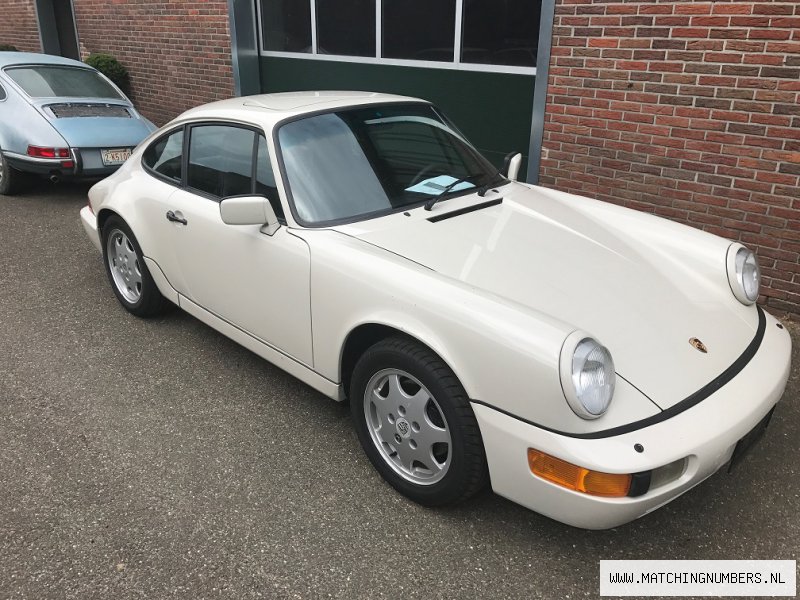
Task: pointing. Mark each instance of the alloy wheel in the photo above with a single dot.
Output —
(124, 265)
(407, 426)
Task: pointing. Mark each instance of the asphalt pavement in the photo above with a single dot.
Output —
(157, 459)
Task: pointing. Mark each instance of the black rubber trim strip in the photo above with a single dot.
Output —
(640, 484)
(638, 390)
(685, 404)
(463, 211)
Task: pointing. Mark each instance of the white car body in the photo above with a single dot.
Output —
(495, 292)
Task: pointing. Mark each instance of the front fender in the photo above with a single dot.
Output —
(504, 354)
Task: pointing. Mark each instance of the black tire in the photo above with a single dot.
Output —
(467, 473)
(11, 180)
(150, 302)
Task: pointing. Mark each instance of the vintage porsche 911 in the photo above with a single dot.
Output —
(588, 361)
(62, 119)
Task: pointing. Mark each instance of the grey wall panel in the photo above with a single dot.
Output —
(244, 47)
(540, 89)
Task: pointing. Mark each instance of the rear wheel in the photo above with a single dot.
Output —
(10, 179)
(130, 279)
(415, 423)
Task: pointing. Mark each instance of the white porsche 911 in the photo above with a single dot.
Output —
(589, 361)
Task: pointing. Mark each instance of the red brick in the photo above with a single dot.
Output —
(655, 9)
(744, 46)
(733, 8)
(770, 34)
(723, 57)
(712, 45)
(764, 59)
(780, 156)
(790, 23)
(690, 32)
(603, 43)
(710, 21)
(750, 22)
(694, 8)
(773, 8)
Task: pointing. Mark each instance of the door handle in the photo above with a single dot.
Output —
(171, 216)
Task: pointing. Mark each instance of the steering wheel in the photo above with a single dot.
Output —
(424, 171)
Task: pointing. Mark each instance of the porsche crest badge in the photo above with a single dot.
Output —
(698, 345)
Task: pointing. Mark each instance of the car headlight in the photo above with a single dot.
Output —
(744, 274)
(587, 375)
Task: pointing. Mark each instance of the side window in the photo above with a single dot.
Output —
(164, 156)
(2, 93)
(221, 160)
(265, 179)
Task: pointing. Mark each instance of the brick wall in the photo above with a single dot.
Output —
(690, 110)
(178, 52)
(18, 25)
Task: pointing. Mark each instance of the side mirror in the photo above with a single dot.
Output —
(511, 164)
(249, 210)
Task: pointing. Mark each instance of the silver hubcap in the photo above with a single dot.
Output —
(124, 265)
(407, 427)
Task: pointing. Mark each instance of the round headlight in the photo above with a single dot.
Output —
(587, 375)
(744, 274)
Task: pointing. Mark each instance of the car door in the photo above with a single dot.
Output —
(257, 282)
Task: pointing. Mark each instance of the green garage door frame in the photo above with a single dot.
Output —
(498, 112)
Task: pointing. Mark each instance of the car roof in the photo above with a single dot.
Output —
(8, 59)
(267, 109)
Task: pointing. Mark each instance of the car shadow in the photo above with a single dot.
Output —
(44, 189)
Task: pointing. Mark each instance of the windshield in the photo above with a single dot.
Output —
(351, 164)
(46, 81)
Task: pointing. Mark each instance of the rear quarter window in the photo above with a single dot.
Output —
(165, 156)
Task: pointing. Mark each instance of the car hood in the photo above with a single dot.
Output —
(640, 285)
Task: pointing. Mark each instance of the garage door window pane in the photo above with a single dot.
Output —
(221, 160)
(419, 29)
(286, 25)
(346, 27)
(164, 156)
(501, 32)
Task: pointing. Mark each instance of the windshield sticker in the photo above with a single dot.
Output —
(435, 185)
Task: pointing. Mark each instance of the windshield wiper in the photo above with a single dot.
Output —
(493, 180)
(429, 204)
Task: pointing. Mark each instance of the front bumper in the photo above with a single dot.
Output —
(704, 435)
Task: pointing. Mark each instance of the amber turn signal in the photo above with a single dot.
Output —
(573, 477)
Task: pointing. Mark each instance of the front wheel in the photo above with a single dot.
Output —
(415, 423)
(130, 279)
